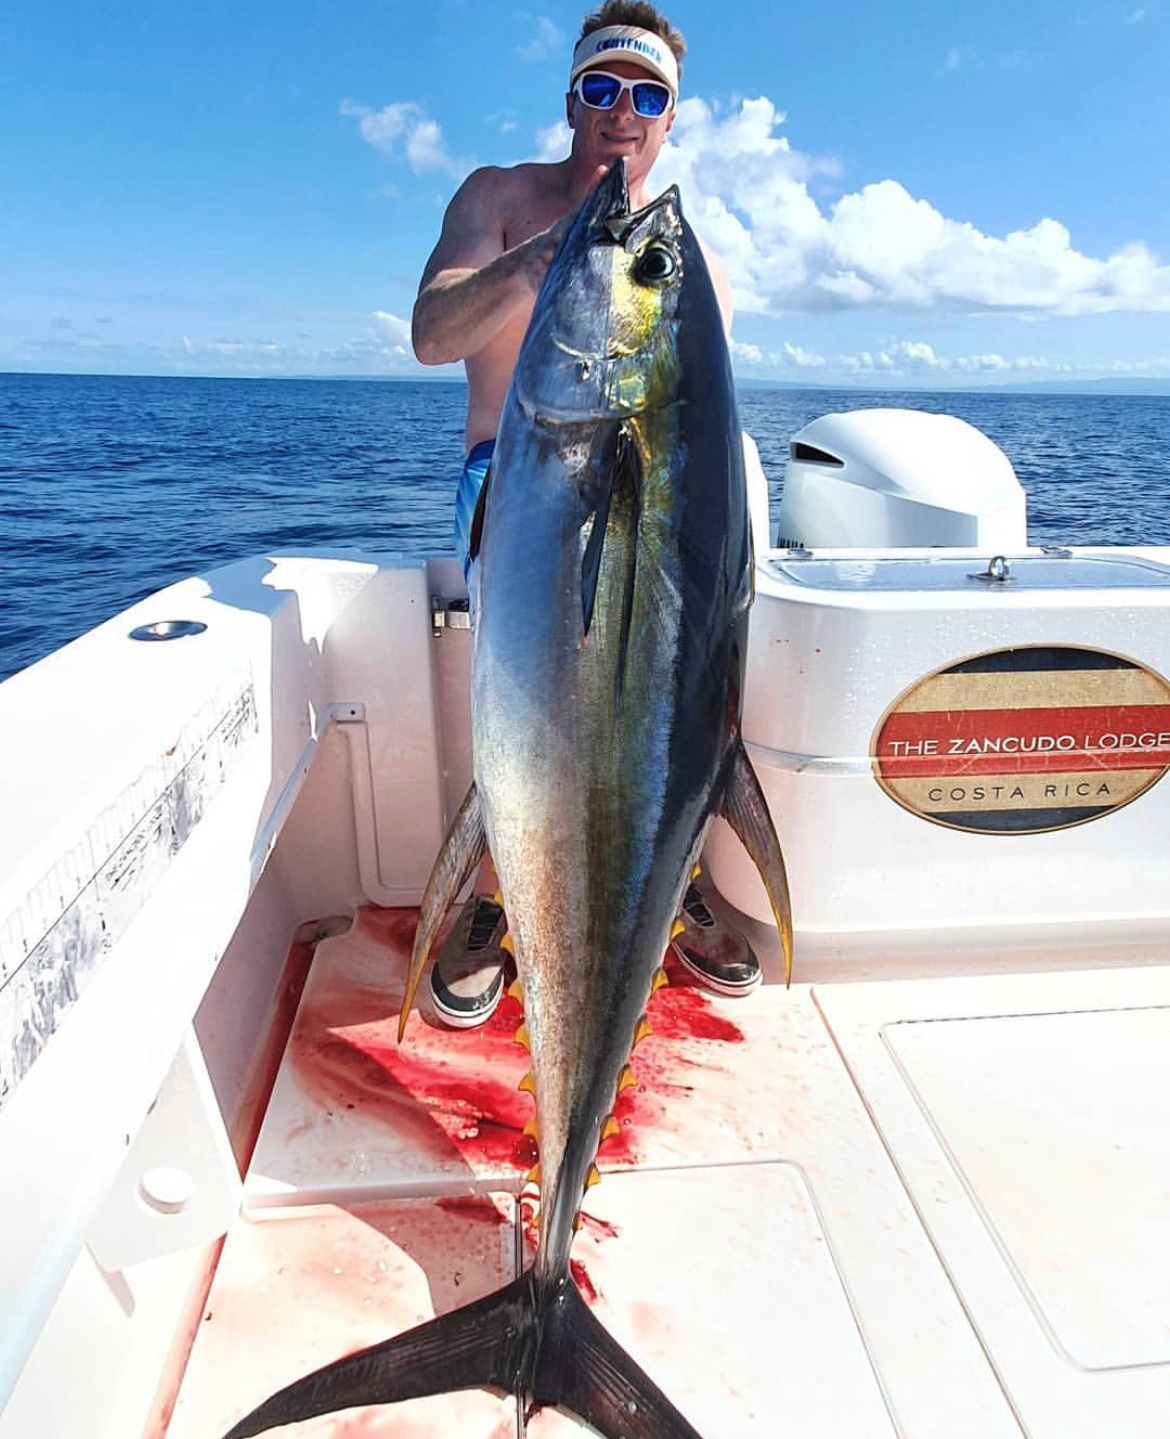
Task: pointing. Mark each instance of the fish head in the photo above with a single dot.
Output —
(602, 340)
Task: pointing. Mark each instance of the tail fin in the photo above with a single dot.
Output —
(481, 1346)
(582, 1368)
(526, 1339)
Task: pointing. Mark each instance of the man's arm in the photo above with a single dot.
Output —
(472, 285)
(722, 286)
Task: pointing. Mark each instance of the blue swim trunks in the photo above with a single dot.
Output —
(475, 470)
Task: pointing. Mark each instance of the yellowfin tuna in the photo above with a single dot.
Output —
(614, 573)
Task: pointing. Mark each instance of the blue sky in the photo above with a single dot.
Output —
(926, 194)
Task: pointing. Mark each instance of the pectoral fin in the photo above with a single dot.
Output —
(475, 538)
(591, 557)
(746, 810)
(618, 492)
(462, 850)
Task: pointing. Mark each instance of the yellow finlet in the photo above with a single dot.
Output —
(609, 1128)
(593, 1177)
(521, 1038)
(627, 1079)
(782, 914)
(528, 1084)
(419, 954)
(507, 945)
(533, 1176)
(531, 1130)
(677, 928)
(644, 1028)
(697, 871)
(660, 979)
(498, 898)
(578, 1222)
(515, 991)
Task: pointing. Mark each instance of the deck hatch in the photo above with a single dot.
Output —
(1056, 1125)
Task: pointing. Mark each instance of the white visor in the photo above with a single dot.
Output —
(627, 42)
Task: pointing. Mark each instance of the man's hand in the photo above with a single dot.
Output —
(540, 249)
(538, 252)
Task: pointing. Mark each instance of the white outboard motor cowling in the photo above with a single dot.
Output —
(899, 479)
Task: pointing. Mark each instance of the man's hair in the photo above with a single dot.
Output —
(640, 13)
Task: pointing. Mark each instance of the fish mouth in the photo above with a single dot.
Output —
(608, 208)
(611, 199)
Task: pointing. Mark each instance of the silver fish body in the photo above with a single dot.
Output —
(602, 730)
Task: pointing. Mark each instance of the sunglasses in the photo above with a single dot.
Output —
(601, 91)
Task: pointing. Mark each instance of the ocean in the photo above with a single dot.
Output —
(113, 486)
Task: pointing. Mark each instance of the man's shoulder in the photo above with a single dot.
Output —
(528, 180)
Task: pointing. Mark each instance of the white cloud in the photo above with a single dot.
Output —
(553, 142)
(789, 357)
(545, 42)
(749, 194)
(383, 349)
(902, 357)
(918, 352)
(394, 332)
(749, 354)
(406, 125)
(801, 358)
(230, 349)
(917, 362)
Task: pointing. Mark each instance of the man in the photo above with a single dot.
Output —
(500, 233)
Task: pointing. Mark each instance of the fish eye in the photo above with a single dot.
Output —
(655, 265)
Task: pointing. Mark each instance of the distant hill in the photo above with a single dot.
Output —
(1128, 386)
(1089, 387)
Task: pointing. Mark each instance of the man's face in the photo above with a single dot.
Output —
(600, 136)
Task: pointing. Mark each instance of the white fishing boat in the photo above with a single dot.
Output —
(921, 1192)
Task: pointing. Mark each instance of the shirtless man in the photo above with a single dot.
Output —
(500, 233)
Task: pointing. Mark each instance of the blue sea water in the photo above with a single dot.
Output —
(113, 486)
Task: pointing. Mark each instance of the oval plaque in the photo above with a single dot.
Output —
(1024, 740)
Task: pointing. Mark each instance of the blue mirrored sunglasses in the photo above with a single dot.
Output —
(601, 91)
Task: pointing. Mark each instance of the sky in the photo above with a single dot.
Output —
(924, 194)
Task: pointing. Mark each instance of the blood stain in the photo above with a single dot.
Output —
(600, 1228)
(458, 1090)
(583, 1282)
(395, 927)
(681, 1011)
(477, 1210)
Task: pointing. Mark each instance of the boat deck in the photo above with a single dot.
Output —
(931, 1207)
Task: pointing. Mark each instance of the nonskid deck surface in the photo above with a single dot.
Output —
(752, 1243)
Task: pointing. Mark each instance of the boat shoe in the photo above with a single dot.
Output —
(467, 978)
(718, 956)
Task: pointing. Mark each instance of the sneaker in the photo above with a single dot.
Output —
(467, 978)
(717, 955)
